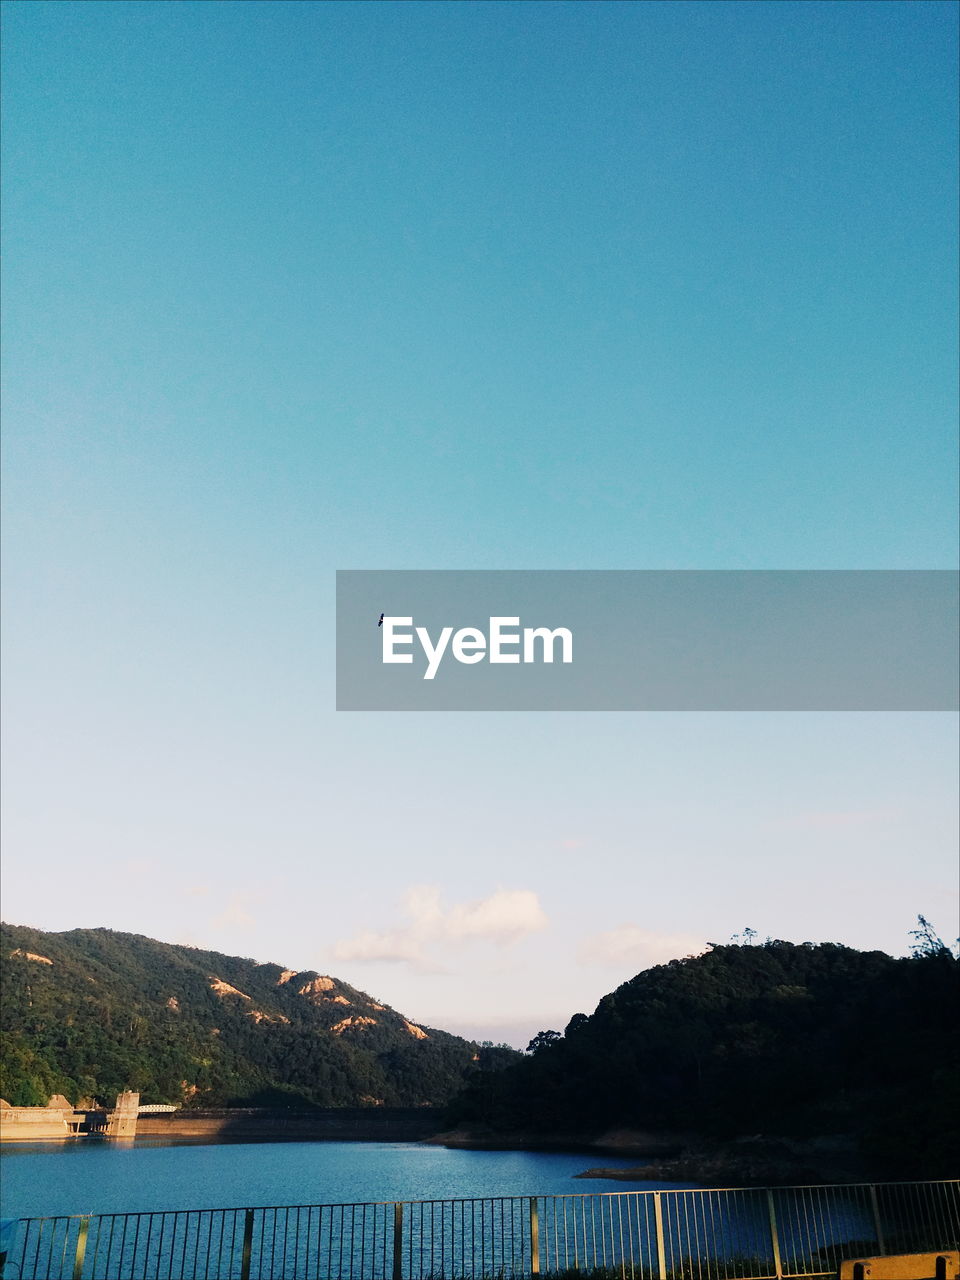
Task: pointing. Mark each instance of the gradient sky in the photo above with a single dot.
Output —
(298, 287)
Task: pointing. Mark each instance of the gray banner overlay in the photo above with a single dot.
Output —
(648, 640)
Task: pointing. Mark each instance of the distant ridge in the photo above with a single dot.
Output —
(90, 1012)
(804, 1044)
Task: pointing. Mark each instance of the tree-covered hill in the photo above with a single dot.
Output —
(773, 1039)
(90, 1012)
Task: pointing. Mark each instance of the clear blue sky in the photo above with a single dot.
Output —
(298, 287)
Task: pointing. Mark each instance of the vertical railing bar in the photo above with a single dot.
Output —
(503, 1256)
(748, 1220)
(123, 1241)
(346, 1241)
(511, 1219)
(473, 1237)
(416, 1273)
(363, 1243)
(579, 1245)
(933, 1219)
(246, 1246)
(917, 1224)
(633, 1224)
(714, 1254)
(606, 1213)
(661, 1251)
(149, 1245)
(734, 1213)
(329, 1239)
(509, 1223)
(931, 1210)
(172, 1247)
(620, 1226)
(795, 1245)
(163, 1227)
(187, 1220)
(827, 1247)
(36, 1254)
(808, 1227)
(223, 1244)
(356, 1216)
(815, 1228)
(566, 1237)
(201, 1217)
(63, 1247)
(81, 1248)
(556, 1237)
(172, 1244)
(65, 1242)
(99, 1230)
(398, 1241)
(875, 1204)
(774, 1235)
(746, 1232)
(193, 1223)
(136, 1240)
(830, 1228)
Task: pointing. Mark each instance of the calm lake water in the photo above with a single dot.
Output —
(99, 1177)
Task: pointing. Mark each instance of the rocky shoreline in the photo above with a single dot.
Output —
(678, 1157)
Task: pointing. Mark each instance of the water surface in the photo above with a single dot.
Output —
(41, 1179)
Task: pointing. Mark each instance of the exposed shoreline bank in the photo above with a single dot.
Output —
(333, 1124)
(659, 1156)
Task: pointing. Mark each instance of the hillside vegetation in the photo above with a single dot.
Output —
(90, 1012)
(772, 1039)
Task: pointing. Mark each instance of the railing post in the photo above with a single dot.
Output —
(247, 1245)
(81, 1248)
(534, 1237)
(398, 1241)
(881, 1247)
(661, 1250)
(774, 1234)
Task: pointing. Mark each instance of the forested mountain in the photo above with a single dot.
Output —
(90, 1012)
(774, 1038)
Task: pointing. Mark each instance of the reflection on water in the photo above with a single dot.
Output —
(83, 1177)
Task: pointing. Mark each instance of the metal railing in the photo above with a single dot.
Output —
(781, 1233)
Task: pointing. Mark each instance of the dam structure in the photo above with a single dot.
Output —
(60, 1120)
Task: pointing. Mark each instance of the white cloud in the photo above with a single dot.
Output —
(397, 947)
(502, 918)
(234, 915)
(630, 947)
